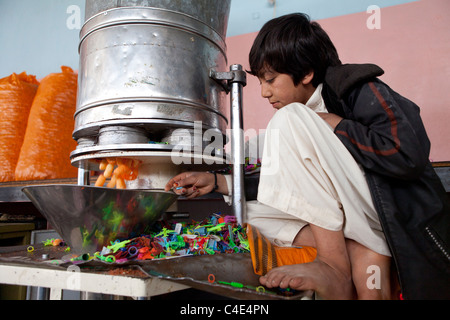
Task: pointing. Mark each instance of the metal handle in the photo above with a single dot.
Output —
(237, 142)
(233, 82)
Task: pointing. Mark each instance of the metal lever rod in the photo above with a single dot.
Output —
(237, 142)
(235, 80)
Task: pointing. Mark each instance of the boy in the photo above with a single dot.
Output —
(345, 169)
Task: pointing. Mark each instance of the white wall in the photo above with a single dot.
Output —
(36, 35)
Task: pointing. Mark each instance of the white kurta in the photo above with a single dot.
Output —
(309, 177)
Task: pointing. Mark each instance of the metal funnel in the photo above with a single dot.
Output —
(88, 217)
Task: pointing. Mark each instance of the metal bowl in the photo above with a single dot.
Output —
(88, 217)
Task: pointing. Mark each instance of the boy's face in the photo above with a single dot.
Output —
(280, 90)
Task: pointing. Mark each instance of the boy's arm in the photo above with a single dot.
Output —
(380, 136)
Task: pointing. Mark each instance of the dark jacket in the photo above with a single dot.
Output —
(385, 134)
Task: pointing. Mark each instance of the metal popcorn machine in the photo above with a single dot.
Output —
(152, 87)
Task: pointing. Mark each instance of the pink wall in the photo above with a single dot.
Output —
(412, 46)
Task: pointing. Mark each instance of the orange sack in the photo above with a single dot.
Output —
(266, 256)
(46, 148)
(16, 96)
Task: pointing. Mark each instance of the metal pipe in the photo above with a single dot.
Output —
(83, 177)
(237, 142)
(43, 293)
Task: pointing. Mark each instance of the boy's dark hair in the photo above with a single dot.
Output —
(293, 45)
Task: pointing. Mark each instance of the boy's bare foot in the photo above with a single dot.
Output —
(327, 282)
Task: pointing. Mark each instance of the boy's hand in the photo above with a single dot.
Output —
(191, 184)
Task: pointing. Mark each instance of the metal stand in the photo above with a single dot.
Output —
(235, 80)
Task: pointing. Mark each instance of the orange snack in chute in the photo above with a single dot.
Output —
(120, 183)
(100, 181)
(16, 96)
(111, 183)
(46, 148)
(109, 170)
(127, 169)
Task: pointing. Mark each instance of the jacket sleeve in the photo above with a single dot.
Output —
(382, 135)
